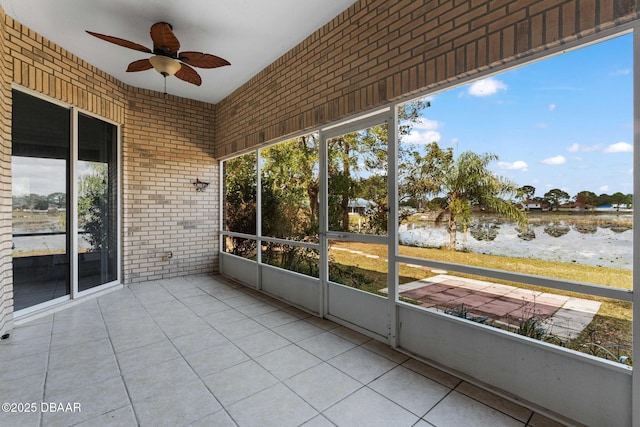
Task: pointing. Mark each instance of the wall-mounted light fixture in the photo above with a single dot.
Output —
(200, 185)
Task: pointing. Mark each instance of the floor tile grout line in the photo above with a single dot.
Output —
(46, 372)
(489, 406)
(183, 359)
(135, 414)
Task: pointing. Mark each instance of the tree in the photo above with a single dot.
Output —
(528, 191)
(556, 197)
(240, 181)
(57, 199)
(421, 174)
(92, 205)
(586, 198)
(619, 199)
(466, 181)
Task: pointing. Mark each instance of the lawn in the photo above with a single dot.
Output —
(610, 328)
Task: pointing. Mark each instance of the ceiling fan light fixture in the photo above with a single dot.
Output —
(165, 65)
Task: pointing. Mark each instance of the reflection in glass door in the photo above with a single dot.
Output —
(65, 233)
(40, 169)
(97, 184)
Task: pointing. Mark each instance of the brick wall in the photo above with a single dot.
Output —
(167, 142)
(168, 145)
(378, 51)
(6, 274)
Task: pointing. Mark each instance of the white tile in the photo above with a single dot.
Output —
(16, 390)
(15, 348)
(410, 390)
(149, 355)
(457, 410)
(276, 318)
(240, 381)
(217, 419)
(212, 306)
(276, 406)
(79, 335)
(432, 373)
(298, 330)
(261, 343)
(362, 364)
(94, 400)
(326, 345)
(21, 419)
(538, 420)
(287, 361)
(322, 323)
(215, 359)
(241, 328)
(367, 408)
(174, 406)
(223, 317)
(241, 300)
(496, 402)
(198, 341)
(71, 377)
(29, 331)
(183, 326)
(318, 421)
(136, 337)
(79, 354)
(25, 366)
(253, 310)
(385, 350)
(322, 386)
(350, 335)
(116, 418)
(152, 379)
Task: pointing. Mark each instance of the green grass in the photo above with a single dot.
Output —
(611, 326)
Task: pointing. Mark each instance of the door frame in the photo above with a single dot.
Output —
(386, 115)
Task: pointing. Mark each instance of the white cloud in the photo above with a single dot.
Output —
(604, 188)
(619, 147)
(517, 165)
(575, 147)
(555, 161)
(486, 87)
(621, 72)
(541, 125)
(423, 132)
(552, 107)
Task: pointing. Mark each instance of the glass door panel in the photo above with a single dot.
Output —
(97, 202)
(357, 181)
(40, 169)
(355, 227)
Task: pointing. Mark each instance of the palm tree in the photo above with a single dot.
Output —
(466, 182)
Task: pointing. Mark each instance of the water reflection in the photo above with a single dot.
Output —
(601, 242)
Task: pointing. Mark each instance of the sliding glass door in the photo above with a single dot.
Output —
(97, 183)
(40, 185)
(57, 219)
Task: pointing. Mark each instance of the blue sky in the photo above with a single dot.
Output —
(564, 122)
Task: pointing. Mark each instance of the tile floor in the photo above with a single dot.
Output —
(202, 351)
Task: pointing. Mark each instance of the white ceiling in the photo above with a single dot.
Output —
(250, 34)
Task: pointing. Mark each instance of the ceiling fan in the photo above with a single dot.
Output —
(166, 59)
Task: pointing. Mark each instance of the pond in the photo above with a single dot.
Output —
(605, 241)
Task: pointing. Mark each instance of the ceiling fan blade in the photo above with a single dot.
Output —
(164, 41)
(140, 65)
(202, 60)
(121, 42)
(189, 75)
